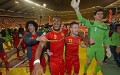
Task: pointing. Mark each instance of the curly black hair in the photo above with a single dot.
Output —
(32, 22)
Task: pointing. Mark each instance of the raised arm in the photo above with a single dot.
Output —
(75, 6)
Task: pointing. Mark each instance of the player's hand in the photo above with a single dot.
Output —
(82, 44)
(49, 53)
(108, 52)
(75, 4)
(37, 68)
(92, 41)
(86, 41)
(41, 38)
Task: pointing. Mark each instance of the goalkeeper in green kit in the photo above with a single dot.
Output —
(98, 37)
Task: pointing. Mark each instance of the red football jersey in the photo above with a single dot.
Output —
(56, 43)
(72, 45)
(35, 46)
(16, 40)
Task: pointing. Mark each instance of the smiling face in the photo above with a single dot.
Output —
(31, 28)
(74, 29)
(56, 23)
(98, 16)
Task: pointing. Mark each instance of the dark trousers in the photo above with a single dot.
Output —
(105, 58)
(115, 54)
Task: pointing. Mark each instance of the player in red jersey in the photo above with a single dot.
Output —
(32, 42)
(3, 55)
(56, 38)
(22, 43)
(16, 40)
(72, 46)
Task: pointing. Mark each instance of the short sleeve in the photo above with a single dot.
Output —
(48, 35)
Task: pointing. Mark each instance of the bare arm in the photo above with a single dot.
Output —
(43, 40)
(39, 49)
(85, 39)
(75, 6)
(20, 42)
(37, 66)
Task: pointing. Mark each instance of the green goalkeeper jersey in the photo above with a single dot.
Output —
(115, 39)
(96, 30)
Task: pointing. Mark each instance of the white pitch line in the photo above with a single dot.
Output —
(16, 65)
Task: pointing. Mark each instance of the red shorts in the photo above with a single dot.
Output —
(72, 62)
(42, 62)
(3, 55)
(57, 66)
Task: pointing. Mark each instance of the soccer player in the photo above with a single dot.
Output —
(98, 35)
(8, 36)
(21, 32)
(56, 38)
(72, 46)
(3, 55)
(32, 42)
(16, 40)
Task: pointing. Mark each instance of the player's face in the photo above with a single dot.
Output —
(118, 29)
(99, 16)
(56, 24)
(31, 28)
(75, 29)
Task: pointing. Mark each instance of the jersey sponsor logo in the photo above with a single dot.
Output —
(62, 34)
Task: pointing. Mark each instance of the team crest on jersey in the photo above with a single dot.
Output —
(55, 36)
(62, 34)
(70, 40)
